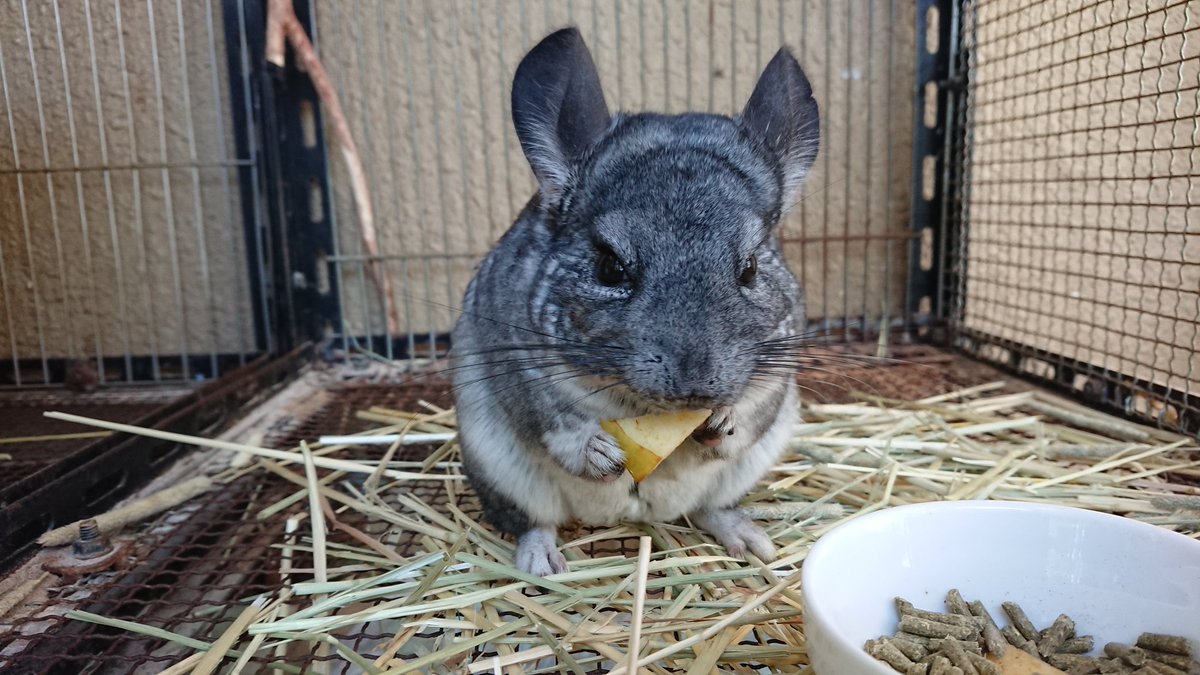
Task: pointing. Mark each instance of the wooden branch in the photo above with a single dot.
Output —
(283, 26)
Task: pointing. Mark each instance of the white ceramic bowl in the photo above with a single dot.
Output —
(1114, 576)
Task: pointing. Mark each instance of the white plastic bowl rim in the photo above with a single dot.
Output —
(846, 602)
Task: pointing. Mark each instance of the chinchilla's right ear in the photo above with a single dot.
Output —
(558, 109)
(784, 113)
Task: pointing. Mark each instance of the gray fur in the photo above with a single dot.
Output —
(543, 350)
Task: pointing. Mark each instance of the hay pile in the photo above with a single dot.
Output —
(457, 604)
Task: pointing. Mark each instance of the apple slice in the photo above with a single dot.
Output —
(649, 439)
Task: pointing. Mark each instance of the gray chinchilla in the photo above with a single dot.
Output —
(644, 276)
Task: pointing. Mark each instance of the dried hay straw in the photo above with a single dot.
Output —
(454, 603)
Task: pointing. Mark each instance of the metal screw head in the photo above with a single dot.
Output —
(90, 543)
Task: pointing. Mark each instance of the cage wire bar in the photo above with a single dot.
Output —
(1078, 259)
(124, 193)
(425, 87)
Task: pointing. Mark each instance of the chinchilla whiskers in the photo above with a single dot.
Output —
(777, 371)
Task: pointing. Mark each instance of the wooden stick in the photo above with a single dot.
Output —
(387, 439)
(1105, 466)
(639, 602)
(360, 536)
(253, 647)
(316, 516)
(282, 24)
(16, 596)
(291, 457)
(212, 658)
(133, 512)
(718, 626)
(48, 438)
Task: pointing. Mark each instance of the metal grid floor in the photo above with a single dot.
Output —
(198, 563)
(21, 417)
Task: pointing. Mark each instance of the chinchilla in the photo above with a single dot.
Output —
(644, 276)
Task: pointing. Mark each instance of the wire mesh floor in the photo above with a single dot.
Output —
(215, 552)
(21, 412)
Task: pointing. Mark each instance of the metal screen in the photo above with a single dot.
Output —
(1080, 248)
(425, 86)
(121, 223)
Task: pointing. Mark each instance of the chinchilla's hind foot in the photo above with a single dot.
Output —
(538, 554)
(737, 533)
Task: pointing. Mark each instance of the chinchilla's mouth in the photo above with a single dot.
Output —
(650, 404)
(644, 403)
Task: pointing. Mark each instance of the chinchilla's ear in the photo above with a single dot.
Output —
(558, 108)
(784, 113)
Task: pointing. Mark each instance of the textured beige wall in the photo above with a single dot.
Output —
(1084, 204)
(145, 260)
(426, 85)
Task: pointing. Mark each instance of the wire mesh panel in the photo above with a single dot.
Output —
(426, 85)
(120, 224)
(1081, 204)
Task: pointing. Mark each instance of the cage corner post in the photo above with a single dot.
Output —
(286, 190)
(937, 87)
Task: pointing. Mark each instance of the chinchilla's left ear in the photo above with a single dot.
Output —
(558, 108)
(783, 112)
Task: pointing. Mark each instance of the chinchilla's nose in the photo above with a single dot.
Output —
(696, 375)
(683, 372)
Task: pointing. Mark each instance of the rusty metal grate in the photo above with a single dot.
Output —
(21, 413)
(195, 567)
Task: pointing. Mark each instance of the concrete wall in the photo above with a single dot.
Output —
(143, 260)
(1084, 209)
(426, 84)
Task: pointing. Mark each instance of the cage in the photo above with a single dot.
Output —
(1002, 186)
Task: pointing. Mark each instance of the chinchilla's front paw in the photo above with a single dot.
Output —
(587, 451)
(716, 428)
(604, 460)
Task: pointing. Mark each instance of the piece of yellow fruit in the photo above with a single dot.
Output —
(1017, 662)
(649, 439)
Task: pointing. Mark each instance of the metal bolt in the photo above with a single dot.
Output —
(90, 543)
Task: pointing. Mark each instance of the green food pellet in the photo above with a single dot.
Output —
(1069, 661)
(914, 638)
(1017, 640)
(1079, 645)
(1020, 621)
(1170, 644)
(1158, 668)
(958, 656)
(1130, 655)
(971, 646)
(940, 665)
(1114, 667)
(887, 652)
(907, 609)
(982, 665)
(992, 639)
(935, 629)
(1176, 661)
(909, 648)
(956, 604)
(1058, 632)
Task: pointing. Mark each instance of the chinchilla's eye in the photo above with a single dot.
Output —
(609, 270)
(749, 270)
